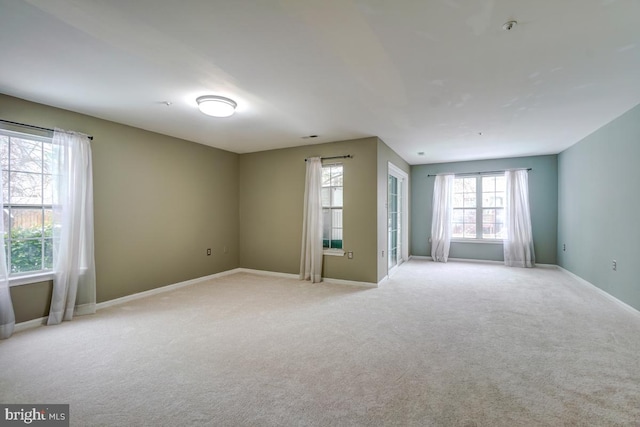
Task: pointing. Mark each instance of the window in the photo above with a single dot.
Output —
(27, 191)
(478, 207)
(332, 195)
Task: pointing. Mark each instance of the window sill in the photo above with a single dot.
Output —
(333, 252)
(30, 278)
(486, 241)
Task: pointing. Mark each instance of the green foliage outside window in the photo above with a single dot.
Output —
(26, 249)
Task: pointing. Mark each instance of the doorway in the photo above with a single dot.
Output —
(397, 217)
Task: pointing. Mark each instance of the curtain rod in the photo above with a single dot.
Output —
(348, 156)
(481, 173)
(34, 127)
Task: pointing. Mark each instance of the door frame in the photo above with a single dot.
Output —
(401, 175)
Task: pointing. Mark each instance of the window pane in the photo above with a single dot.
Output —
(501, 183)
(326, 227)
(458, 200)
(336, 234)
(26, 255)
(326, 177)
(489, 183)
(4, 152)
(488, 199)
(26, 155)
(336, 218)
(25, 188)
(470, 216)
(501, 231)
(48, 223)
(337, 196)
(458, 185)
(47, 154)
(469, 185)
(6, 220)
(326, 196)
(488, 215)
(500, 199)
(470, 200)
(458, 230)
(458, 215)
(500, 216)
(26, 223)
(47, 192)
(5, 187)
(48, 253)
(470, 231)
(336, 176)
(488, 231)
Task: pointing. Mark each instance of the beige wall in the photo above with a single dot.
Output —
(271, 197)
(159, 203)
(385, 156)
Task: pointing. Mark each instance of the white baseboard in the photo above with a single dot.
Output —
(34, 323)
(477, 261)
(601, 291)
(481, 261)
(162, 289)
(268, 273)
(43, 320)
(296, 276)
(350, 282)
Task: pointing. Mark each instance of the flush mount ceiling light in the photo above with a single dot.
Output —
(216, 106)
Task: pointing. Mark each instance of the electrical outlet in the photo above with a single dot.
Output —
(208, 251)
(564, 247)
(614, 265)
(350, 254)
(382, 254)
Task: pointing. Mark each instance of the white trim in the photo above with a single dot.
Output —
(296, 276)
(601, 291)
(480, 261)
(349, 282)
(89, 310)
(551, 266)
(475, 241)
(333, 252)
(33, 323)
(268, 273)
(31, 278)
(477, 261)
(162, 289)
(403, 176)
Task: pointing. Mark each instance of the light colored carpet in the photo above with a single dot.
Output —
(457, 344)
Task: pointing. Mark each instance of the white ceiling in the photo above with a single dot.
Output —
(423, 75)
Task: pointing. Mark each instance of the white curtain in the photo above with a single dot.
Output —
(441, 226)
(74, 284)
(7, 316)
(311, 254)
(518, 246)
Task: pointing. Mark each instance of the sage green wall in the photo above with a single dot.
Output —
(271, 206)
(543, 199)
(159, 202)
(599, 208)
(385, 155)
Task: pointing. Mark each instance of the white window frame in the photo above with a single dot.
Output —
(335, 251)
(27, 277)
(479, 211)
